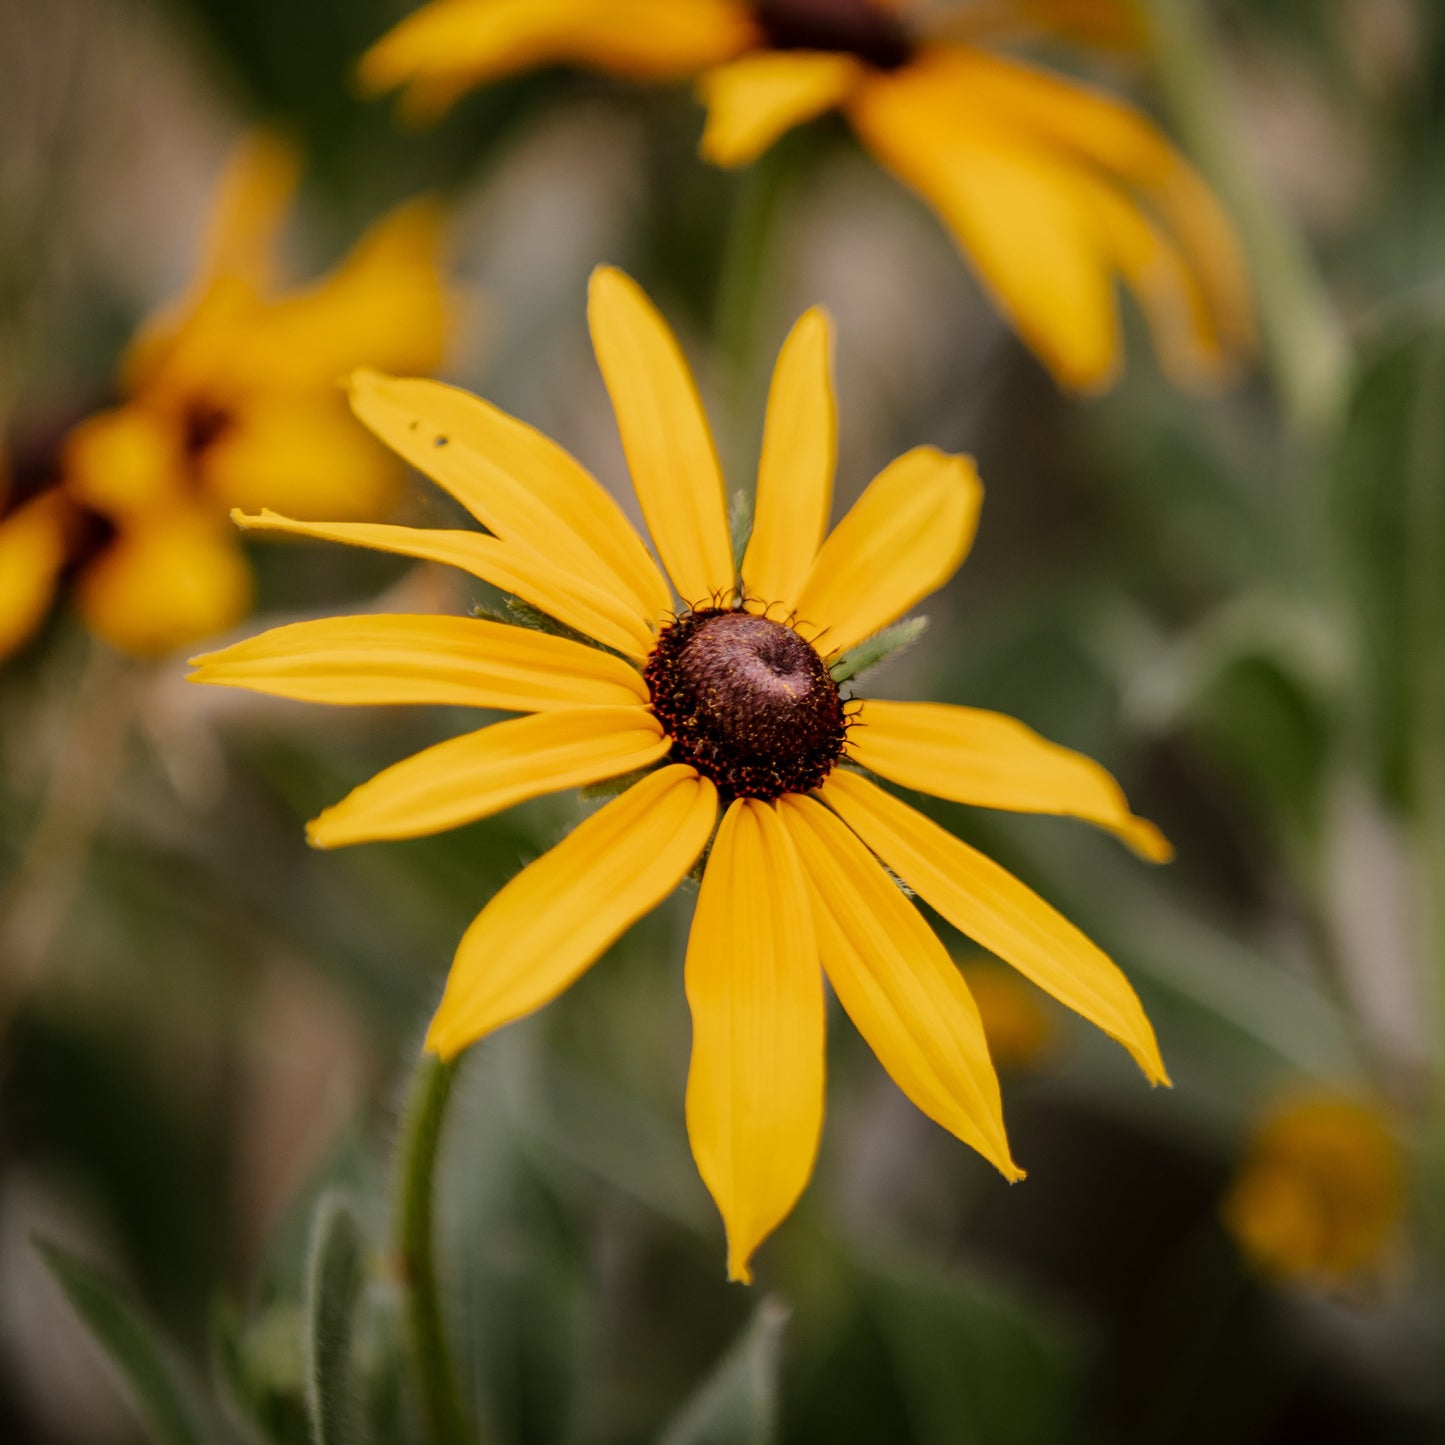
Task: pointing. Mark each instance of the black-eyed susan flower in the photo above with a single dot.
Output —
(715, 684)
(1320, 1194)
(230, 398)
(1052, 190)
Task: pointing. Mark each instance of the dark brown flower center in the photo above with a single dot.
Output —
(865, 28)
(747, 702)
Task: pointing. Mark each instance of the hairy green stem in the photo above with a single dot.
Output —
(415, 1245)
(1308, 352)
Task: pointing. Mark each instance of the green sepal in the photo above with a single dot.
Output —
(740, 524)
(875, 649)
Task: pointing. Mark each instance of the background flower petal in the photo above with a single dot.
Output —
(755, 99)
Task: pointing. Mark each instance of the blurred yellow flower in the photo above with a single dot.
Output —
(1321, 1191)
(1020, 1033)
(1052, 190)
(231, 398)
(728, 713)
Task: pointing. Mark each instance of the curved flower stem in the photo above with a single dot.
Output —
(1307, 348)
(426, 1104)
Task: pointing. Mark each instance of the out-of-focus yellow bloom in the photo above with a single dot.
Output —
(727, 703)
(1321, 1191)
(230, 398)
(1020, 1032)
(1052, 190)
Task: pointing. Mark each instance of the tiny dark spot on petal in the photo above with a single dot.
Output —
(440, 441)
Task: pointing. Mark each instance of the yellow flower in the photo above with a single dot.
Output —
(727, 706)
(1052, 190)
(1320, 1194)
(230, 398)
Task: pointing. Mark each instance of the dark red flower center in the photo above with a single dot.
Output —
(865, 28)
(748, 702)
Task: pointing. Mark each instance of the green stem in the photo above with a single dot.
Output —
(1307, 349)
(415, 1246)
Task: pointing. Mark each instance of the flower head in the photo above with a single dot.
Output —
(1320, 1194)
(719, 689)
(1052, 190)
(229, 398)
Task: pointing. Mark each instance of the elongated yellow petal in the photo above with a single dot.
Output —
(516, 570)
(754, 100)
(665, 435)
(1010, 211)
(755, 1085)
(902, 539)
(450, 45)
(250, 208)
(449, 661)
(481, 773)
(993, 761)
(993, 908)
(898, 984)
(560, 913)
(516, 482)
(795, 474)
(32, 553)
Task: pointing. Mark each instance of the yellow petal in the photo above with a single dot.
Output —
(516, 570)
(481, 773)
(125, 462)
(898, 984)
(558, 915)
(250, 207)
(448, 661)
(1004, 204)
(993, 908)
(302, 453)
(795, 474)
(518, 483)
(170, 582)
(755, 1084)
(665, 435)
(1112, 136)
(32, 552)
(993, 761)
(451, 45)
(902, 539)
(755, 99)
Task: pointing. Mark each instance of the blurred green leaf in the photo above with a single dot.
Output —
(169, 1403)
(976, 1361)
(334, 1278)
(738, 1403)
(1389, 495)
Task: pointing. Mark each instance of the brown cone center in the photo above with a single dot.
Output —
(748, 702)
(865, 28)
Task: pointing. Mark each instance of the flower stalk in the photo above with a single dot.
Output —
(1306, 345)
(415, 1249)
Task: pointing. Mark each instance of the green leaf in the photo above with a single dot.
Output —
(878, 647)
(740, 523)
(976, 1361)
(738, 1402)
(170, 1404)
(1390, 519)
(335, 1275)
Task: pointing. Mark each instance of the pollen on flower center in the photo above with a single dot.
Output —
(864, 28)
(748, 702)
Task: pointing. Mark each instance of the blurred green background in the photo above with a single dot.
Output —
(1239, 608)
